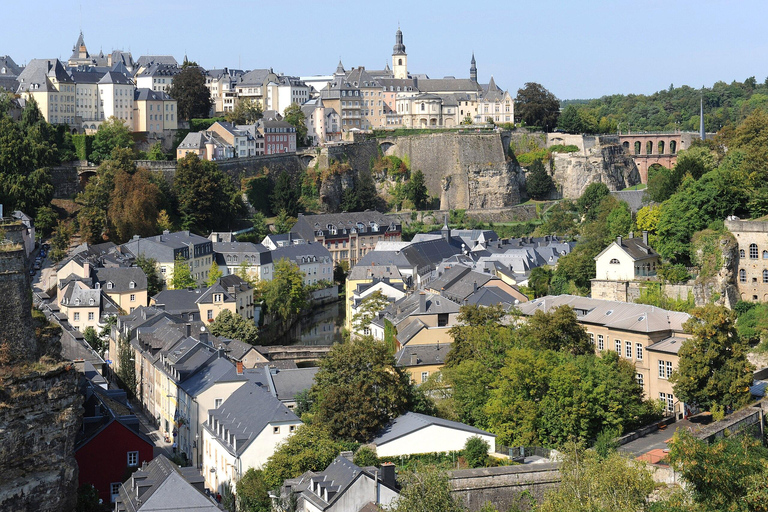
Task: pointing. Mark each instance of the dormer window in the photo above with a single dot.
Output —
(217, 297)
(77, 302)
(91, 302)
(132, 285)
(110, 285)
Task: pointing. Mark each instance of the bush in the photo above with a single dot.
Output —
(197, 125)
(83, 145)
(365, 456)
(674, 274)
(476, 452)
(562, 148)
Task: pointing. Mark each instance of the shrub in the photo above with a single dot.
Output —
(83, 145)
(476, 452)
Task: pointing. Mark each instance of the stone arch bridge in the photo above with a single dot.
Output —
(648, 149)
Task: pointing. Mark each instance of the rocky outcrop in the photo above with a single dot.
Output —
(40, 413)
(718, 285)
(603, 160)
(40, 408)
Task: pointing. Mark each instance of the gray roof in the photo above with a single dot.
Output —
(411, 330)
(634, 198)
(179, 301)
(113, 77)
(426, 255)
(244, 251)
(669, 345)
(246, 413)
(459, 282)
(301, 253)
(145, 60)
(307, 225)
(634, 247)
(11, 68)
(164, 247)
(218, 370)
(335, 479)
(426, 355)
(286, 384)
(613, 314)
(490, 297)
(145, 94)
(161, 485)
(37, 75)
(121, 279)
(448, 85)
(411, 422)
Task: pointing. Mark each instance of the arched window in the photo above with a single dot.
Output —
(742, 254)
(399, 62)
(753, 251)
(742, 276)
(765, 255)
(614, 261)
(765, 275)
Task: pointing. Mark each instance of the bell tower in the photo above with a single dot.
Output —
(399, 57)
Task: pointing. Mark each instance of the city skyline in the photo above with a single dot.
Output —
(576, 50)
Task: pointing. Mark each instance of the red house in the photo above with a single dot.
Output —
(109, 447)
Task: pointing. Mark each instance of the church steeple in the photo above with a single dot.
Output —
(399, 57)
(473, 69)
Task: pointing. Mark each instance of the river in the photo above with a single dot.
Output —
(322, 327)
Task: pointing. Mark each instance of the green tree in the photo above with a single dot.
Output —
(619, 221)
(112, 133)
(60, 241)
(417, 190)
(367, 310)
(46, 220)
(285, 295)
(192, 97)
(156, 152)
(590, 199)
(536, 106)
(259, 191)
(558, 330)
(149, 266)
(253, 492)
(476, 452)
(358, 389)
(246, 111)
(294, 116)
(126, 370)
(310, 448)
(182, 275)
(214, 274)
(425, 488)
(538, 182)
(539, 280)
(285, 195)
(660, 184)
(260, 228)
(88, 499)
(92, 338)
(591, 483)
(233, 326)
(133, 205)
(365, 456)
(164, 222)
(713, 369)
(570, 121)
(207, 199)
(648, 220)
(284, 222)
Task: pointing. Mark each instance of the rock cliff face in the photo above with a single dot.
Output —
(40, 409)
(719, 287)
(604, 162)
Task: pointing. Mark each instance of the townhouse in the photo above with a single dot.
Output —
(168, 248)
(313, 260)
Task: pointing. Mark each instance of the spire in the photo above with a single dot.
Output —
(446, 231)
(492, 85)
(340, 68)
(399, 48)
(701, 120)
(473, 69)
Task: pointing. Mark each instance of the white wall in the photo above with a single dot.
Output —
(622, 271)
(433, 438)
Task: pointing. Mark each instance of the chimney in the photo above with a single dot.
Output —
(204, 337)
(414, 359)
(165, 232)
(348, 455)
(86, 270)
(239, 365)
(136, 237)
(188, 330)
(160, 307)
(388, 474)
(422, 302)
(474, 286)
(631, 234)
(618, 241)
(645, 237)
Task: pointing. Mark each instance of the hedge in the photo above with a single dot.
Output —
(83, 144)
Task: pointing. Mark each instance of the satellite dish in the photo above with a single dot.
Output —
(202, 329)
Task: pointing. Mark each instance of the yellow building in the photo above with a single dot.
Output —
(229, 293)
(154, 111)
(126, 286)
(48, 83)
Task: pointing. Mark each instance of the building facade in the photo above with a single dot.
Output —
(752, 274)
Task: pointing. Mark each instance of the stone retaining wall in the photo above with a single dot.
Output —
(505, 486)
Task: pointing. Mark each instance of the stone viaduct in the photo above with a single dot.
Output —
(648, 149)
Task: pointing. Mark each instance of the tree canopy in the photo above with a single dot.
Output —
(538, 182)
(294, 116)
(192, 97)
(536, 106)
(235, 327)
(112, 133)
(285, 295)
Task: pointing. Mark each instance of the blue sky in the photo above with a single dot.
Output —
(577, 49)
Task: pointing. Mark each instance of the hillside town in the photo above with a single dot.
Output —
(375, 290)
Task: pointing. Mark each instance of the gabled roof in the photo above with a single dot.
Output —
(214, 372)
(635, 248)
(302, 253)
(121, 279)
(285, 384)
(146, 94)
(426, 355)
(411, 422)
(246, 413)
(113, 77)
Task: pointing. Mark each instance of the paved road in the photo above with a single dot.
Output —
(656, 440)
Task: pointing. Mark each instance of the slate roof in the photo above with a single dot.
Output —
(411, 330)
(613, 314)
(411, 422)
(425, 256)
(113, 77)
(236, 349)
(286, 384)
(634, 198)
(215, 371)
(256, 254)
(307, 225)
(459, 282)
(121, 279)
(162, 247)
(634, 247)
(11, 68)
(302, 253)
(146, 94)
(491, 296)
(76, 296)
(162, 485)
(145, 60)
(426, 355)
(179, 301)
(37, 75)
(436, 85)
(669, 345)
(246, 413)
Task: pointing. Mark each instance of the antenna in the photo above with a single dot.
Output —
(81, 18)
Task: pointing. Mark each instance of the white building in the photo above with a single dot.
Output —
(313, 260)
(627, 259)
(116, 97)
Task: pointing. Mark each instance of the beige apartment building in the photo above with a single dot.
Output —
(752, 239)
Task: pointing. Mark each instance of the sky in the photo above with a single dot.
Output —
(577, 49)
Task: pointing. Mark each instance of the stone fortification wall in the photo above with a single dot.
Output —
(17, 335)
(503, 486)
(465, 170)
(605, 162)
(40, 414)
(65, 181)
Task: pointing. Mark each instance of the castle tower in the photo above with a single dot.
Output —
(399, 57)
(473, 69)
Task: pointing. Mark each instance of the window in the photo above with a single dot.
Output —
(133, 458)
(753, 251)
(90, 315)
(618, 347)
(742, 254)
(114, 490)
(600, 345)
(639, 347)
(210, 314)
(742, 276)
(217, 403)
(133, 297)
(275, 430)
(592, 338)
(765, 275)
(668, 401)
(292, 428)
(614, 261)
(665, 369)
(639, 378)
(628, 349)
(77, 317)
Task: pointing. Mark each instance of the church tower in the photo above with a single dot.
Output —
(399, 57)
(473, 69)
